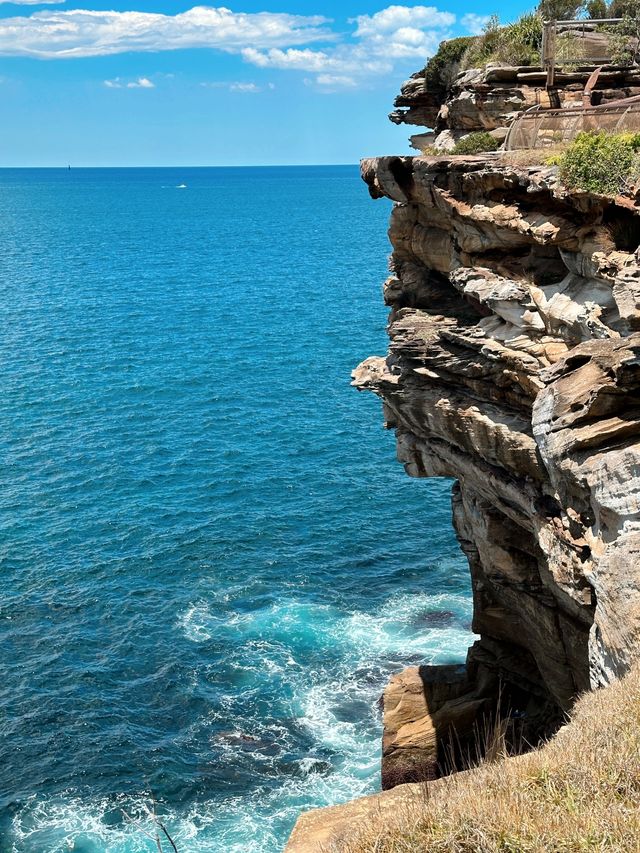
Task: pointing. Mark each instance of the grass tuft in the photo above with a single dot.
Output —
(580, 793)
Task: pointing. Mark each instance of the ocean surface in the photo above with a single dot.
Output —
(210, 561)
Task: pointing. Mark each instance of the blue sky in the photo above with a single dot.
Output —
(151, 82)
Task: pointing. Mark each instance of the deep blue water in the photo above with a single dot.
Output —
(210, 560)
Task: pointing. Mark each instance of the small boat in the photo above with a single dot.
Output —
(181, 187)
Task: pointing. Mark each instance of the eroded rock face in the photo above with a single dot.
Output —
(491, 99)
(514, 367)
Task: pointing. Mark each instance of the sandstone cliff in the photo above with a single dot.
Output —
(491, 99)
(513, 368)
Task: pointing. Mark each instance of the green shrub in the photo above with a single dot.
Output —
(442, 68)
(621, 8)
(624, 39)
(518, 43)
(596, 9)
(558, 10)
(599, 162)
(632, 138)
(522, 40)
(475, 143)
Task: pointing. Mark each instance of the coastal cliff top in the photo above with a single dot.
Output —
(578, 792)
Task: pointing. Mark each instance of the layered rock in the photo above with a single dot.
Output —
(514, 368)
(491, 99)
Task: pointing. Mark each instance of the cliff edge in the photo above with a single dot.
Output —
(513, 368)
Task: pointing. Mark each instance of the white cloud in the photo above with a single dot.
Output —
(301, 60)
(394, 18)
(31, 2)
(335, 81)
(343, 59)
(81, 32)
(395, 34)
(245, 88)
(475, 24)
(140, 83)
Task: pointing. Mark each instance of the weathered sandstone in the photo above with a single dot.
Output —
(491, 98)
(514, 367)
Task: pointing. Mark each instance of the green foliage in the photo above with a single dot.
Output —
(624, 39)
(522, 40)
(475, 143)
(596, 9)
(632, 139)
(623, 8)
(517, 43)
(442, 68)
(599, 162)
(553, 160)
(558, 10)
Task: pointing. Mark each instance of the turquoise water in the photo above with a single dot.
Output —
(210, 560)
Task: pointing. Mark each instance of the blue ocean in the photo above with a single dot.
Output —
(210, 560)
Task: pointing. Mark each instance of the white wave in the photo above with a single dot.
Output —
(333, 698)
(196, 623)
(391, 629)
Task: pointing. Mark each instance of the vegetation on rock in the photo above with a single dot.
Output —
(624, 39)
(444, 65)
(599, 162)
(476, 143)
(518, 43)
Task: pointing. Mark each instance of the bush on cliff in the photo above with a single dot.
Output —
(443, 67)
(559, 10)
(475, 143)
(599, 162)
(579, 792)
(518, 43)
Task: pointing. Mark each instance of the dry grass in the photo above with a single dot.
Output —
(523, 157)
(532, 156)
(580, 792)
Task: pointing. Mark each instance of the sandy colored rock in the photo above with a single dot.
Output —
(317, 829)
(514, 368)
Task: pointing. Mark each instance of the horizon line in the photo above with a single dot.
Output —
(71, 167)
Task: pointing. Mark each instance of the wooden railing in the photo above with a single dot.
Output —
(586, 42)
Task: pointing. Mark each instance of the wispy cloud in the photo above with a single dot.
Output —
(332, 82)
(31, 2)
(81, 32)
(139, 83)
(475, 24)
(376, 44)
(394, 34)
(242, 87)
(388, 21)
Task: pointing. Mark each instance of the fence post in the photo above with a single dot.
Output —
(549, 50)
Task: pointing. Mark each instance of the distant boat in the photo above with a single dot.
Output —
(181, 187)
